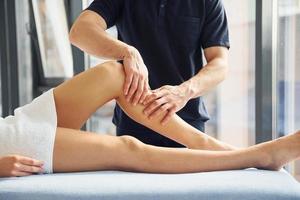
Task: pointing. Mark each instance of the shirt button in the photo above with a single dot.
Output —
(162, 5)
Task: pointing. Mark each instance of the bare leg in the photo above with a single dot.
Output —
(75, 151)
(77, 99)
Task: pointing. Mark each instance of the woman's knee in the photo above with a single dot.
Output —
(131, 143)
(114, 69)
(115, 72)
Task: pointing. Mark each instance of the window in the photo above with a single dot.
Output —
(288, 66)
(288, 70)
(231, 105)
(52, 31)
(25, 77)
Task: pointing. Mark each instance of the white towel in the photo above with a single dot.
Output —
(31, 131)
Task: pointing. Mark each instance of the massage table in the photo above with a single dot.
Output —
(249, 184)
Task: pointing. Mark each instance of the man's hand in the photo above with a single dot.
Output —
(167, 98)
(136, 81)
(14, 165)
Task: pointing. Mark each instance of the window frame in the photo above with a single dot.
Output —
(265, 70)
(8, 57)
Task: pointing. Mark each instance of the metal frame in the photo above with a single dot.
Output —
(9, 58)
(265, 70)
(24, 52)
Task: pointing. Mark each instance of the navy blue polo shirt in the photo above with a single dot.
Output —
(170, 35)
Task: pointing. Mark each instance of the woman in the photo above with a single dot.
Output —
(44, 136)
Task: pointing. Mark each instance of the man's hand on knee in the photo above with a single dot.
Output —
(165, 100)
(136, 81)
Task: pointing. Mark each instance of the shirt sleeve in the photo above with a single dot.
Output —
(215, 29)
(109, 10)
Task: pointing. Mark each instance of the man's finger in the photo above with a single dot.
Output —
(145, 92)
(154, 105)
(161, 110)
(128, 81)
(133, 87)
(30, 161)
(150, 97)
(168, 116)
(139, 91)
(155, 95)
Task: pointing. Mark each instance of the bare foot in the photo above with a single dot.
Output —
(280, 151)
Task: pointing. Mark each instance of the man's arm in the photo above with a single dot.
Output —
(174, 98)
(211, 75)
(88, 33)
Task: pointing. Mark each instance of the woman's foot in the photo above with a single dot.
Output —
(279, 152)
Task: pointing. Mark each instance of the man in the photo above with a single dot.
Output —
(160, 42)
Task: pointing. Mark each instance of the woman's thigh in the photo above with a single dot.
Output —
(76, 150)
(78, 98)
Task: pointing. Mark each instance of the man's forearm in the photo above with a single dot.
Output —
(92, 38)
(88, 33)
(206, 79)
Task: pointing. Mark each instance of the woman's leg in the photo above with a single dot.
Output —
(77, 99)
(75, 151)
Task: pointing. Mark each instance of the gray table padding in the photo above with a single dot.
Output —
(250, 184)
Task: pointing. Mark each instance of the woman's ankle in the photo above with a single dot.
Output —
(275, 154)
(265, 158)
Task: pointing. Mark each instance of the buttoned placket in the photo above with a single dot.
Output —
(162, 11)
